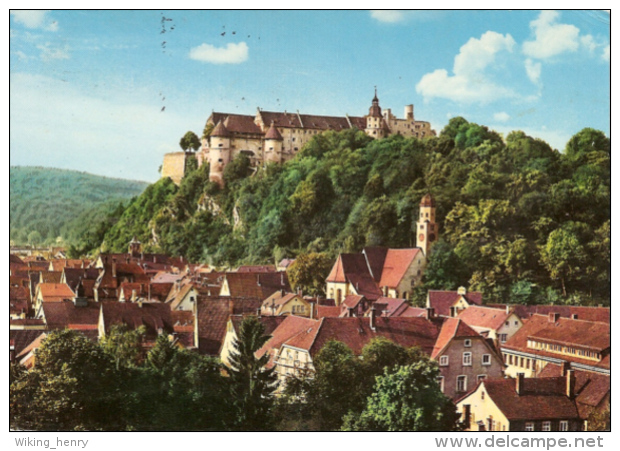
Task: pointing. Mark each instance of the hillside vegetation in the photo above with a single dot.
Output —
(44, 202)
(518, 220)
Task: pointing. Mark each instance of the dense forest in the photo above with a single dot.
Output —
(518, 220)
(49, 203)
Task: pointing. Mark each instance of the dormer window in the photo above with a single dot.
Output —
(467, 343)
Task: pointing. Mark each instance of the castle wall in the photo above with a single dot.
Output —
(174, 166)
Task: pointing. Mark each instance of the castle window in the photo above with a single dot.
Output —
(221, 145)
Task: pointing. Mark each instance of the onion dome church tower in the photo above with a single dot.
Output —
(375, 124)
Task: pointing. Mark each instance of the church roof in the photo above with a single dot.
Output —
(427, 201)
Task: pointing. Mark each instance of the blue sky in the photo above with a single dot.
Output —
(109, 92)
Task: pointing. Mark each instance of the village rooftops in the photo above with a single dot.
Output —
(441, 301)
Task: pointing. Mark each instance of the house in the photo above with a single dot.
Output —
(451, 303)
(79, 314)
(156, 318)
(281, 303)
(376, 272)
(212, 314)
(496, 324)
(132, 292)
(598, 314)
(254, 285)
(26, 357)
(354, 305)
(19, 301)
(593, 390)
(75, 277)
(465, 358)
(521, 404)
(19, 339)
(52, 292)
(257, 268)
(183, 325)
(546, 339)
(270, 323)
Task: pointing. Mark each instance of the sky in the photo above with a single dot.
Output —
(110, 92)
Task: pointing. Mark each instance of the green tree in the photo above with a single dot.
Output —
(74, 386)
(190, 141)
(124, 345)
(309, 272)
(252, 385)
(407, 398)
(563, 255)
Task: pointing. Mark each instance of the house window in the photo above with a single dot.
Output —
(516, 323)
(482, 395)
(468, 343)
(440, 382)
(443, 360)
(467, 359)
(503, 338)
(529, 427)
(486, 359)
(546, 426)
(461, 383)
(563, 426)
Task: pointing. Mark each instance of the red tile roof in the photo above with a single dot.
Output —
(256, 285)
(591, 388)
(237, 123)
(257, 268)
(397, 262)
(452, 328)
(568, 332)
(155, 316)
(212, 316)
(484, 317)
(20, 339)
(541, 399)
(273, 133)
(598, 314)
(55, 292)
(290, 327)
(327, 311)
(59, 315)
(441, 301)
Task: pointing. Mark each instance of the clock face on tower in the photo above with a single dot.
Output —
(421, 237)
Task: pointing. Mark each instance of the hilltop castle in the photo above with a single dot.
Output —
(278, 137)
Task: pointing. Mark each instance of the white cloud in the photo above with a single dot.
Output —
(551, 38)
(49, 53)
(35, 19)
(589, 43)
(557, 139)
(533, 70)
(501, 117)
(231, 54)
(606, 53)
(470, 82)
(388, 16)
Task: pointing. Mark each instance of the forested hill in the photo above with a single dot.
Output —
(43, 201)
(518, 219)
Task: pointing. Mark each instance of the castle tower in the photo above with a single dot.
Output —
(273, 145)
(219, 153)
(427, 229)
(375, 124)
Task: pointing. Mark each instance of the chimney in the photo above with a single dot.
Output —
(373, 318)
(312, 307)
(258, 280)
(140, 302)
(507, 309)
(554, 317)
(430, 313)
(574, 316)
(453, 312)
(565, 368)
(519, 388)
(570, 383)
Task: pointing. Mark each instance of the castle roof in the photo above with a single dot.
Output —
(273, 133)
(220, 131)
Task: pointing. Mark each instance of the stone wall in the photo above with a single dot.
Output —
(174, 166)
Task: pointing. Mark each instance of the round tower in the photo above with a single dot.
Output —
(427, 228)
(273, 145)
(219, 152)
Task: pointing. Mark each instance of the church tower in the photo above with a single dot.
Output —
(375, 124)
(427, 229)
